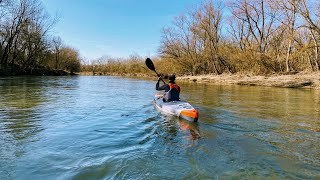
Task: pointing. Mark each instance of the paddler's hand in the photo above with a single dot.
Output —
(159, 78)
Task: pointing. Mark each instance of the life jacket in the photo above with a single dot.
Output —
(174, 86)
(173, 93)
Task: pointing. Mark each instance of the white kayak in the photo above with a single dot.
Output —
(177, 108)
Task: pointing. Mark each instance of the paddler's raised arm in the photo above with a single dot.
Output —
(163, 87)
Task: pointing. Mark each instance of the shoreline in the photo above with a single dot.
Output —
(300, 80)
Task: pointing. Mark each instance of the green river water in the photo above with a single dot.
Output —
(108, 128)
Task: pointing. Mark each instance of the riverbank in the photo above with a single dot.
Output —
(300, 80)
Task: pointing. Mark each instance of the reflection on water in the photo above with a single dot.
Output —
(292, 106)
(108, 128)
(21, 101)
(18, 107)
(192, 127)
(281, 125)
(19, 119)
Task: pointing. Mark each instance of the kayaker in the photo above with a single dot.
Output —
(172, 90)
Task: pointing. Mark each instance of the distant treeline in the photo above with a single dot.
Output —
(256, 36)
(133, 65)
(25, 42)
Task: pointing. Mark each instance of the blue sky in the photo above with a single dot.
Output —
(116, 28)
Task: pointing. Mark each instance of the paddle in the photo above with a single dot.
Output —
(150, 65)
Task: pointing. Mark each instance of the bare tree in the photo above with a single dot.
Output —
(180, 44)
(194, 40)
(313, 24)
(57, 44)
(208, 29)
(24, 29)
(289, 9)
(256, 23)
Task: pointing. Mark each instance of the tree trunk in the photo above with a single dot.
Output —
(316, 61)
(310, 62)
(288, 56)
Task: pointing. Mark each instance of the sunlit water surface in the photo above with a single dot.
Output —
(107, 127)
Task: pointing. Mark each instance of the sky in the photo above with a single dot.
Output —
(114, 28)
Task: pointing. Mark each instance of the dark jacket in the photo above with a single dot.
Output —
(171, 94)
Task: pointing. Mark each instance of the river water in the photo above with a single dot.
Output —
(108, 128)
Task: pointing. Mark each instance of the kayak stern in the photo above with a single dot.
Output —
(190, 115)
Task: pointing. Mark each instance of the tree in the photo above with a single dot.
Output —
(180, 45)
(312, 24)
(70, 59)
(289, 11)
(194, 39)
(57, 44)
(208, 30)
(24, 28)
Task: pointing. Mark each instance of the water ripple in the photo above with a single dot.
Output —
(108, 128)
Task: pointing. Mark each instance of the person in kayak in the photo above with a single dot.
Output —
(172, 90)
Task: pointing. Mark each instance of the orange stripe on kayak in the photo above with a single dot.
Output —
(190, 113)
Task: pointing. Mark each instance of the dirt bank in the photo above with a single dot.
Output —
(300, 80)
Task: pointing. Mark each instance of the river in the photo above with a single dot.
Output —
(90, 127)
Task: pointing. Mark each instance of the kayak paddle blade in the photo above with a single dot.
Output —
(150, 64)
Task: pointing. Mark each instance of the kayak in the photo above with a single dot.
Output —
(177, 108)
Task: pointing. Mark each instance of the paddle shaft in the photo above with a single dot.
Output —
(159, 76)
